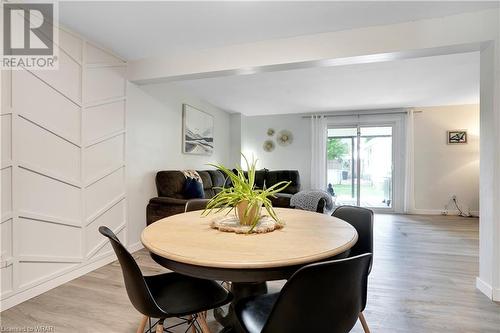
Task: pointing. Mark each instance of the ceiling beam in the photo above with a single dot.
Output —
(429, 37)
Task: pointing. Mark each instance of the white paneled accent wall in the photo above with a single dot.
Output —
(62, 168)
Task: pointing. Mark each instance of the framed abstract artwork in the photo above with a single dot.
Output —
(457, 137)
(197, 131)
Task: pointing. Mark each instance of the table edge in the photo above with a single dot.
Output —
(255, 265)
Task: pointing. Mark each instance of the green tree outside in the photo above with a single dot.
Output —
(336, 148)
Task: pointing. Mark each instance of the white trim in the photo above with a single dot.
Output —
(49, 219)
(496, 295)
(77, 103)
(57, 259)
(105, 64)
(6, 164)
(104, 101)
(81, 270)
(49, 174)
(484, 288)
(53, 282)
(104, 138)
(103, 175)
(7, 216)
(50, 130)
(418, 211)
(104, 209)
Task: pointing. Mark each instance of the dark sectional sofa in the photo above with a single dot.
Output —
(170, 185)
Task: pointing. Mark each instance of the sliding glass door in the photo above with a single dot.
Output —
(360, 165)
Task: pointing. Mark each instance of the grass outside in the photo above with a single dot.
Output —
(344, 190)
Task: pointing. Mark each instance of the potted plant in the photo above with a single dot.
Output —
(243, 197)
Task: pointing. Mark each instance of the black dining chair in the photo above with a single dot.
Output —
(362, 220)
(167, 295)
(320, 297)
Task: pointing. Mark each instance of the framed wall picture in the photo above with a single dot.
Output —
(457, 137)
(197, 131)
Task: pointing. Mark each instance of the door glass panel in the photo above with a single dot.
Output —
(341, 165)
(376, 167)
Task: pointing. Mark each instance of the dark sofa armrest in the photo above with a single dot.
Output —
(161, 207)
(168, 201)
(196, 204)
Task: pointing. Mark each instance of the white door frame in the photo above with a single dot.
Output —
(397, 121)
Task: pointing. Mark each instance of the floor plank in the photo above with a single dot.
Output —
(422, 281)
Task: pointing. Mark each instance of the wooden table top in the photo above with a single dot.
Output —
(307, 237)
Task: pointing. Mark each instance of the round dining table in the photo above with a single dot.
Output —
(187, 244)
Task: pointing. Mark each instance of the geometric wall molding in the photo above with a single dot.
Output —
(33, 273)
(6, 126)
(114, 219)
(45, 151)
(100, 194)
(64, 240)
(67, 80)
(45, 196)
(103, 83)
(63, 158)
(71, 45)
(6, 202)
(101, 158)
(91, 219)
(101, 120)
(6, 247)
(57, 114)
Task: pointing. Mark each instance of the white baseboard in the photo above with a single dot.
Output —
(22, 296)
(484, 287)
(496, 295)
(418, 211)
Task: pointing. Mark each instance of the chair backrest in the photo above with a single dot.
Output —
(321, 297)
(362, 220)
(137, 289)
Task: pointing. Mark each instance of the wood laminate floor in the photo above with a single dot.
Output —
(422, 280)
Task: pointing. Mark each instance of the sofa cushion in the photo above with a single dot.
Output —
(260, 177)
(207, 183)
(170, 184)
(218, 180)
(274, 177)
(193, 189)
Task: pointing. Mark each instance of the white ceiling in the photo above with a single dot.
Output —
(440, 80)
(139, 29)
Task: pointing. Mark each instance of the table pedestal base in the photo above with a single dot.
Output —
(240, 290)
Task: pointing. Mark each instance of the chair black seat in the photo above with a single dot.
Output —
(254, 311)
(166, 295)
(179, 295)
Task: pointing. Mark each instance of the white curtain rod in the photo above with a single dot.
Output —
(349, 113)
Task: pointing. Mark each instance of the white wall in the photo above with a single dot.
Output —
(296, 156)
(443, 170)
(154, 143)
(63, 144)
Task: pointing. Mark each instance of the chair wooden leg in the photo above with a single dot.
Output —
(142, 325)
(363, 322)
(159, 327)
(203, 323)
